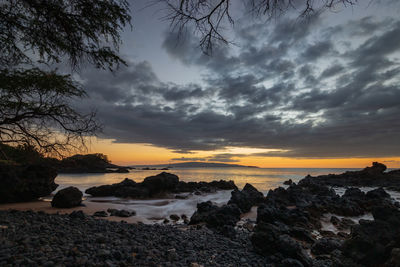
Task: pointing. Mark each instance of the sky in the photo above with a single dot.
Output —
(288, 92)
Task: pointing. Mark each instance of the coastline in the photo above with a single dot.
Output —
(90, 207)
(307, 223)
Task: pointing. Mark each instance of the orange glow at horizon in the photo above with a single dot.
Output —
(144, 154)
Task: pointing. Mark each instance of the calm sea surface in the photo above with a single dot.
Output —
(262, 178)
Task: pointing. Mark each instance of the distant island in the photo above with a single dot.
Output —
(196, 165)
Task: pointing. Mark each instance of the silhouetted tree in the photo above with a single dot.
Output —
(35, 104)
(209, 17)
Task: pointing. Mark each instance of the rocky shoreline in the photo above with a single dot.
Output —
(288, 230)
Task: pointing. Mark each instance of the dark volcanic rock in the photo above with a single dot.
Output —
(163, 182)
(67, 198)
(100, 213)
(272, 240)
(26, 182)
(369, 176)
(246, 198)
(371, 242)
(354, 193)
(288, 182)
(126, 188)
(326, 246)
(377, 193)
(121, 213)
(204, 186)
(214, 216)
(174, 217)
(155, 185)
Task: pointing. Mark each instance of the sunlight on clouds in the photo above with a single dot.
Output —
(142, 154)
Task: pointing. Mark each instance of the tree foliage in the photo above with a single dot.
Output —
(55, 30)
(209, 17)
(36, 103)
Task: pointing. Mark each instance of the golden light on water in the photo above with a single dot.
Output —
(144, 154)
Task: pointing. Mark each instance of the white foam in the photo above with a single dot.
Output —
(155, 210)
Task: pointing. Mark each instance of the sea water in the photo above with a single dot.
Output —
(155, 210)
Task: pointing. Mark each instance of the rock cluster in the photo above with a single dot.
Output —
(157, 185)
(288, 229)
(373, 176)
(114, 212)
(223, 219)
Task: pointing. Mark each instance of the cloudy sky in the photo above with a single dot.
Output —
(321, 91)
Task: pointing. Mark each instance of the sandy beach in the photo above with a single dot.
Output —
(88, 207)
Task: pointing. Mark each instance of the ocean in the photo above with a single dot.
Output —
(263, 179)
(155, 210)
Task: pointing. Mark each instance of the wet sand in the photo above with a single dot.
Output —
(89, 208)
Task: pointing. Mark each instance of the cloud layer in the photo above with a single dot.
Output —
(306, 89)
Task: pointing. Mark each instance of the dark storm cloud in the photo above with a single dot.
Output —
(268, 93)
(318, 50)
(332, 71)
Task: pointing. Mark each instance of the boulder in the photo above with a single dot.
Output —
(214, 216)
(288, 182)
(371, 242)
(394, 257)
(377, 193)
(354, 193)
(20, 183)
(126, 188)
(174, 217)
(246, 198)
(163, 182)
(293, 217)
(376, 169)
(325, 246)
(271, 240)
(67, 198)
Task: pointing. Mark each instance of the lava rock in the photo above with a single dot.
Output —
(288, 182)
(162, 182)
(325, 246)
(121, 213)
(377, 193)
(214, 216)
(20, 183)
(100, 213)
(174, 217)
(67, 198)
(246, 198)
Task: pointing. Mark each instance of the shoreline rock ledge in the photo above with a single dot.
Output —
(156, 186)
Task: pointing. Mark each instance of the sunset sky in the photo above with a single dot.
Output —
(290, 92)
